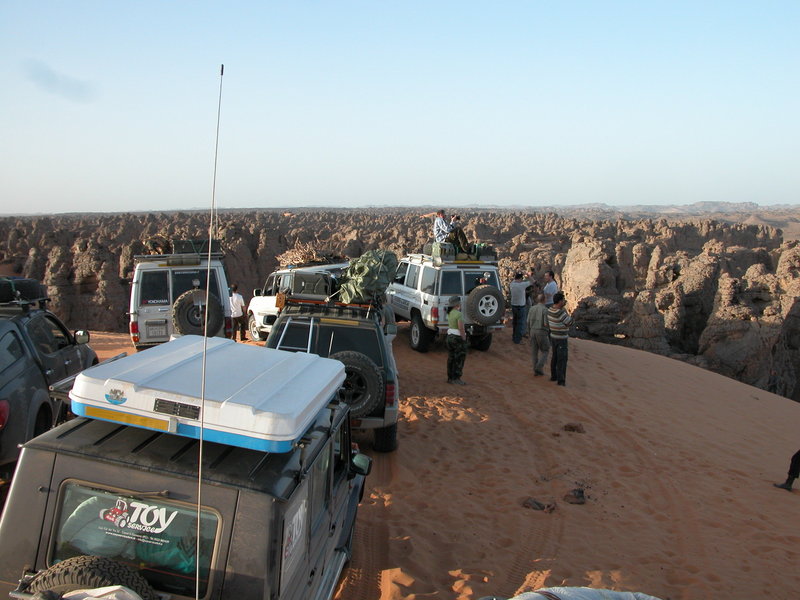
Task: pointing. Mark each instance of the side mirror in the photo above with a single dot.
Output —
(81, 336)
(390, 329)
(360, 464)
(257, 292)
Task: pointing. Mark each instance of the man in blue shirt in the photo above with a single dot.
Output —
(444, 231)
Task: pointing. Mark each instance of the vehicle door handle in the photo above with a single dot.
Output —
(48, 372)
(68, 362)
(332, 531)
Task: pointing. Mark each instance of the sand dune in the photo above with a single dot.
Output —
(677, 464)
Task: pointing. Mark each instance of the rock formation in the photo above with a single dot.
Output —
(723, 296)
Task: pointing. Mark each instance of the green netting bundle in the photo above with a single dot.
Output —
(368, 276)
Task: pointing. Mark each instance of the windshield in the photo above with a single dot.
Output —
(153, 535)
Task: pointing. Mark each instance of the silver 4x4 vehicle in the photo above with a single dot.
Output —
(424, 284)
(309, 282)
(360, 337)
(122, 497)
(168, 295)
(36, 351)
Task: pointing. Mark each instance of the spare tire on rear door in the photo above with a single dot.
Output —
(363, 387)
(188, 313)
(485, 305)
(82, 572)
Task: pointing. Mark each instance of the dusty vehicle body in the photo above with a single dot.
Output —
(361, 338)
(309, 282)
(423, 285)
(123, 485)
(36, 351)
(171, 293)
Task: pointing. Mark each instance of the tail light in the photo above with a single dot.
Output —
(391, 394)
(134, 329)
(4, 410)
(435, 314)
(228, 327)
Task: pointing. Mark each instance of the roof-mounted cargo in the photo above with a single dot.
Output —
(183, 252)
(254, 397)
(445, 252)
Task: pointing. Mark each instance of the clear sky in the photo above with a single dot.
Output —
(112, 106)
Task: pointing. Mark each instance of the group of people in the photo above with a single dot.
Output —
(541, 316)
(544, 320)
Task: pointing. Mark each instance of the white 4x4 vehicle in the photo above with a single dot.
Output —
(310, 283)
(424, 284)
(168, 296)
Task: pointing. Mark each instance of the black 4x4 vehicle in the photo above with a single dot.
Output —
(251, 470)
(360, 336)
(36, 351)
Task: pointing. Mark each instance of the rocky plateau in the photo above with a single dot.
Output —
(718, 290)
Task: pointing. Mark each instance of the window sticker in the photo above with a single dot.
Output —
(151, 534)
(294, 540)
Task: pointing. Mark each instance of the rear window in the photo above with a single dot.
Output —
(154, 535)
(182, 281)
(327, 338)
(451, 283)
(154, 286)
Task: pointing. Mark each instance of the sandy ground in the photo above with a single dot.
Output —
(677, 465)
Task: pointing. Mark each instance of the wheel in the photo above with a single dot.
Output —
(481, 343)
(421, 336)
(188, 318)
(252, 327)
(81, 572)
(363, 387)
(386, 438)
(44, 421)
(485, 305)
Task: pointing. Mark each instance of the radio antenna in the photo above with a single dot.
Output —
(212, 234)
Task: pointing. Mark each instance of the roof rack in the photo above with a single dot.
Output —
(330, 307)
(176, 259)
(451, 260)
(25, 304)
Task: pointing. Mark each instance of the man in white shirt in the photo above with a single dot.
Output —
(237, 314)
(519, 306)
(550, 288)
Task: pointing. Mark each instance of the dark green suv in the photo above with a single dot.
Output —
(360, 336)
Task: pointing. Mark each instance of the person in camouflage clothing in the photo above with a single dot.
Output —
(456, 341)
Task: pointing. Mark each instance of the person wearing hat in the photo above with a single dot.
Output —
(456, 341)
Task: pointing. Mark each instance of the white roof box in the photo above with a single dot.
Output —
(255, 397)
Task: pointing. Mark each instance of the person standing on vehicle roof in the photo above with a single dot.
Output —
(449, 232)
(456, 341)
(237, 314)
